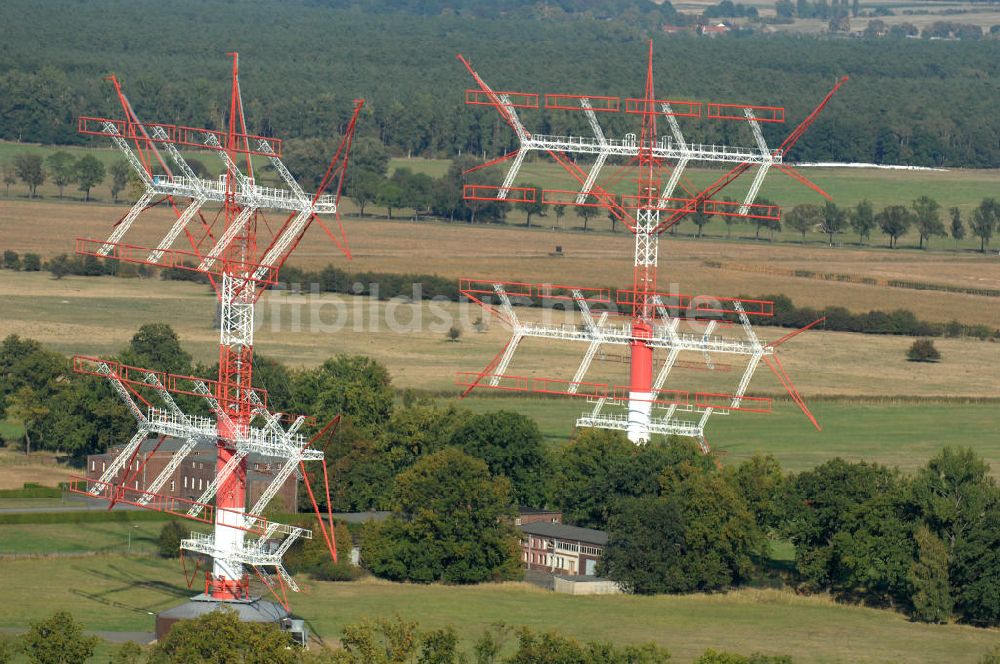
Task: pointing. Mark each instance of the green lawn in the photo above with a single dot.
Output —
(112, 537)
(903, 434)
(120, 594)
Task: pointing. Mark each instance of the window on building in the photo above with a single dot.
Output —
(93, 465)
(137, 485)
(173, 485)
(102, 466)
(199, 484)
(185, 481)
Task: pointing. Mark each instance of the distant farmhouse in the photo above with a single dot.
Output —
(553, 547)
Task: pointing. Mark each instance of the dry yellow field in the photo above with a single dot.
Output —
(98, 316)
(41, 468)
(596, 259)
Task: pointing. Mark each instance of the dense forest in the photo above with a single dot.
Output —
(909, 101)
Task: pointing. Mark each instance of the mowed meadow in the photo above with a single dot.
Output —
(120, 593)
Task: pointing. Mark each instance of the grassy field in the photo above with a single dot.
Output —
(120, 593)
(79, 538)
(958, 187)
(40, 467)
(74, 315)
(904, 435)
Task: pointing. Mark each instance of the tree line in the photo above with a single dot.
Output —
(63, 169)
(895, 221)
(910, 101)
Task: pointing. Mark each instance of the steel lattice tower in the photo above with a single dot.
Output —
(654, 318)
(240, 259)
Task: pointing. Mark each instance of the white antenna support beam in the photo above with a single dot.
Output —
(176, 459)
(220, 476)
(175, 230)
(508, 181)
(111, 130)
(123, 393)
(235, 228)
(126, 223)
(119, 461)
(765, 165)
(709, 329)
(276, 483)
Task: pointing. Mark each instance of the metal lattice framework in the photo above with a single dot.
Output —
(240, 260)
(669, 323)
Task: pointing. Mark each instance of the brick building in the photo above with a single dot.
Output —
(194, 475)
(537, 516)
(560, 549)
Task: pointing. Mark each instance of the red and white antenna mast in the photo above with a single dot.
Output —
(241, 258)
(656, 319)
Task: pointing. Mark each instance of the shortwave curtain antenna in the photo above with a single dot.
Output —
(657, 322)
(241, 262)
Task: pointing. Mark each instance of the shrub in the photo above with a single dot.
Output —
(169, 542)
(923, 350)
(57, 639)
(11, 260)
(32, 263)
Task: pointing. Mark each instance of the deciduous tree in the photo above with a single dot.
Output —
(862, 220)
(533, 206)
(560, 211)
(834, 220)
(927, 218)
(699, 218)
(975, 570)
(120, 171)
(30, 170)
(89, 173)
(894, 221)
(931, 592)
(952, 492)
(62, 168)
(9, 174)
(58, 639)
(157, 346)
(451, 522)
(698, 535)
(29, 409)
(220, 636)
(957, 227)
(511, 445)
(169, 541)
(804, 218)
(351, 385)
(586, 212)
(984, 221)
(849, 525)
